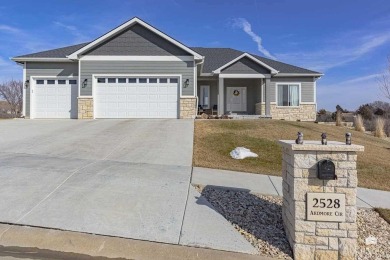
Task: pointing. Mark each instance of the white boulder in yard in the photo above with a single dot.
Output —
(242, 153)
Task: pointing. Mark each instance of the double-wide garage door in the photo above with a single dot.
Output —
(54, 98)
(136, 97)
(114, 97)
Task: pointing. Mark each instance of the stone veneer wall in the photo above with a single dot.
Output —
(305, 112)
(85, 108)
(316, 239)
(260, 109)
(187, 107)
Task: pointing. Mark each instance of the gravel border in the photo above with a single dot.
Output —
(259, 219)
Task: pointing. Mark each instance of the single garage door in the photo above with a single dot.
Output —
(136, 97)
(54, 98)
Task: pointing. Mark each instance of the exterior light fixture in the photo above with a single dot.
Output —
(85, 82)
(186, 83)
(26, 83)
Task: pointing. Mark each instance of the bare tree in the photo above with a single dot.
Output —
(12, 92)
(384, 81)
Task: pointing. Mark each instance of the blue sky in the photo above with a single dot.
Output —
(349, 41)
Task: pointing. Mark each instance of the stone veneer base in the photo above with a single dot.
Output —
(85, 108)
(305, 112)
(187, 108)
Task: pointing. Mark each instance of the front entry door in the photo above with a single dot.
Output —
(236, 99)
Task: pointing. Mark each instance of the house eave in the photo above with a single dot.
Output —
(31, 59)
(298, 75)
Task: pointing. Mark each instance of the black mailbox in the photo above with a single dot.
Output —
(326, 170)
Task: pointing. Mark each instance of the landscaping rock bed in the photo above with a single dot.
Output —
(259, 219)
(371, 224)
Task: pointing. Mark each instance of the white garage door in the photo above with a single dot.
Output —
(54, 98)
(136, 97)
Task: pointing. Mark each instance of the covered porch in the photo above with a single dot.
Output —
(236, 95)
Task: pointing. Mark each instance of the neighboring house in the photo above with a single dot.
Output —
(137, 71)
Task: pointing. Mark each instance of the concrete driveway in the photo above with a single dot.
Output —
(126, 178)
(123, 178)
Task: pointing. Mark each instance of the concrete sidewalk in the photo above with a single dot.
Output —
(272, 185)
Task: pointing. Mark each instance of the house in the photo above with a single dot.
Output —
(137, 71)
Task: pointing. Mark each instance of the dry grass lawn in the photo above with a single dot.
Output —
(214, 139)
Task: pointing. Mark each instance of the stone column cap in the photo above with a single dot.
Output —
(332, 146)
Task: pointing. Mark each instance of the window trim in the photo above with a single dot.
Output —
(288, 83)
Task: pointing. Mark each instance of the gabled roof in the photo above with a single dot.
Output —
(135, 20)
(215, 59)
(218, 70)
(218, 57)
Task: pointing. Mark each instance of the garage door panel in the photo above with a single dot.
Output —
(136, 99)
(54, 100)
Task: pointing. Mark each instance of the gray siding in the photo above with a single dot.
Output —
(245, 66)
(64, 69)
(137, 40)
(186, 69)
(307, 87)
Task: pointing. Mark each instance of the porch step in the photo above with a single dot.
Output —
(249, 116)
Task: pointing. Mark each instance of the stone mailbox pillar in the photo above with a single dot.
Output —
(319, 215)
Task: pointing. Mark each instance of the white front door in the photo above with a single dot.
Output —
(54, 98)
(205, 96)
(236, 99)
(136, 97)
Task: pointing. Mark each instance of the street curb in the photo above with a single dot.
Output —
(57, 244)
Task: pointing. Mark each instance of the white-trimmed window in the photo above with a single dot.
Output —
(288, 95)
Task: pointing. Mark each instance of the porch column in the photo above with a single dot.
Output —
(221, 108)
(268, 97)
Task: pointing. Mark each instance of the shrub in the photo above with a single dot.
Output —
(379, 128)
(367, 111)
(359, 125)
(339, 120)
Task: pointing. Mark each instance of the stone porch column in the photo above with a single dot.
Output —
(267, 97)
(221, 97)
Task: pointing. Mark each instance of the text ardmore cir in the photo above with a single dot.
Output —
(326, 207)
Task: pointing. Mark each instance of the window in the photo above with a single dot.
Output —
(142, 80)
(121, 80)
(288, 95)
(132, 80)
(61, 81)
(40, 82)
(111, 80)
(152, 80)
(51, 82)
(163, 80)
(173, 80)
(72, 81)
(101, 80)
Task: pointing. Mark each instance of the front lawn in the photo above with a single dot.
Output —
(214, 139)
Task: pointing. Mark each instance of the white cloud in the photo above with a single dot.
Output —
(9, 29)
(80, 37)
(338, 52)
(243, 24)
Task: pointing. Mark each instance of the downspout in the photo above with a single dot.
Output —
(196, 87)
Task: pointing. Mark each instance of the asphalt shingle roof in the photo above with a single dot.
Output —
(214, 58)
(217, 57)
(55, 53)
